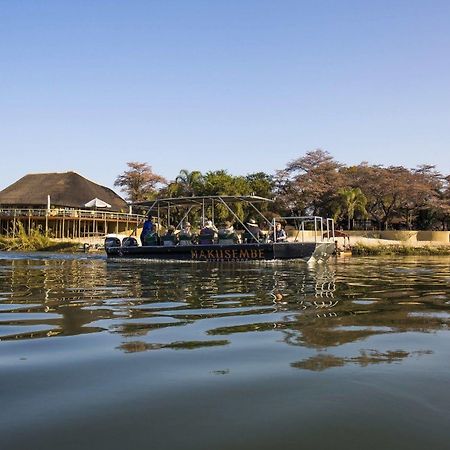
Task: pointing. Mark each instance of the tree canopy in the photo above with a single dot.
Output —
(139, 182)
(364, 195)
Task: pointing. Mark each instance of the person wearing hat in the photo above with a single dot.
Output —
(253, 233)
(186, 235)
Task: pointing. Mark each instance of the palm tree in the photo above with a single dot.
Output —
(351, 201)
(190, 183)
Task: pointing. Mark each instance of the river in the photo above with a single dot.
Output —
(98, 354)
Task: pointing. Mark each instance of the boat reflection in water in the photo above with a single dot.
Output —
(311, 306)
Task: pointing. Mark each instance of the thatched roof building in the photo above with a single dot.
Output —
(67, 190)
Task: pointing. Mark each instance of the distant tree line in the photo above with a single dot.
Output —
(357, 197)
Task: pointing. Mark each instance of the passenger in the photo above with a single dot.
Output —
(170, 238)
(254, 234)
(147, 229)
(208, 233)
(186, 236)
(280, 234)
(227, 235)
(151, 239)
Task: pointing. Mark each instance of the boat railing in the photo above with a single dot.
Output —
(322, 229)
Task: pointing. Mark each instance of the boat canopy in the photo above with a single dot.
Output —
(193, 201)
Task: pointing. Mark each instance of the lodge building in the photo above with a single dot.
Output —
(64, 205)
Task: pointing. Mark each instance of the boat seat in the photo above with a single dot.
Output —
(205, 240)
(169, 240)
(249, 238)
(226, 241)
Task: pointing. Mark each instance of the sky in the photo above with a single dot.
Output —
(242, 85)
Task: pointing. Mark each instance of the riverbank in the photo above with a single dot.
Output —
(367, 246)
(361, 249)
(33, 243)
(359, 246)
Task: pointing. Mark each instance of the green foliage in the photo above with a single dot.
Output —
(186, 184)
(350, 202)
(261, 184)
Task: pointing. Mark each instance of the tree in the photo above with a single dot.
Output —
(433, 208)
(188, 183)
(351, 201)
(309, 185)
(139, 182)
(393, 192)
(220, 182)
(261, 184)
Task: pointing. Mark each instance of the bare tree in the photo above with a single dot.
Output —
(139, 182)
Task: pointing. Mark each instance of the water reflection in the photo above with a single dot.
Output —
(189, 306)
(323, 361)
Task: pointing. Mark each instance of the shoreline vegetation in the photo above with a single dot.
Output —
(38, 242)
(35, 241)
(377, 249)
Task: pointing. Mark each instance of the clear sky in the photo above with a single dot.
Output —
(244, 85)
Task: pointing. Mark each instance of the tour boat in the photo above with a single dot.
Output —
(311, 238)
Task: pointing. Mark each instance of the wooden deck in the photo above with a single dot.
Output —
(67, 223)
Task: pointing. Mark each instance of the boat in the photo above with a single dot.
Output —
(311, 237)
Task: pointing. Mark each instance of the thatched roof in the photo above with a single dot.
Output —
(67, 189)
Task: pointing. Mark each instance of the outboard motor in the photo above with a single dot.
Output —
(130, 242)
(112, 241)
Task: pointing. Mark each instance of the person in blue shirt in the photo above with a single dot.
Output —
(147, 229)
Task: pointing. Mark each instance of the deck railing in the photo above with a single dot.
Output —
(66, 213)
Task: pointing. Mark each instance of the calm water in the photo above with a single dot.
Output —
(138, 355)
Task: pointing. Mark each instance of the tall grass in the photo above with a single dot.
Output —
(22, 242)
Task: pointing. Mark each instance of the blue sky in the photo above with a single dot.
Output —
(245, 85)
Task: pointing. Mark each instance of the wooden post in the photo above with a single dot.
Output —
(14, 224)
